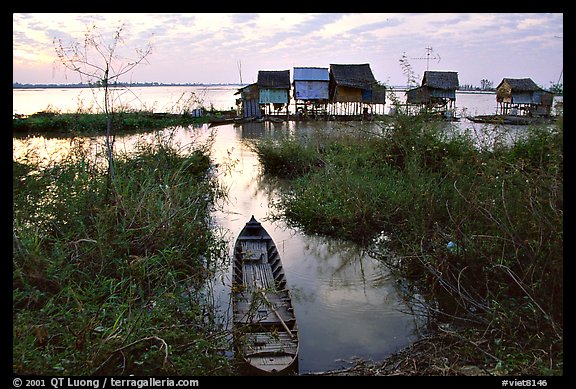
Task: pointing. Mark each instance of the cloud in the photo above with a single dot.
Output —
(184, 45)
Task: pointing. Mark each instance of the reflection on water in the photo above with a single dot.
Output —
(347, 305)
(346, 302)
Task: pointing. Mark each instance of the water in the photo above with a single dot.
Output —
(347, 304)
(156, 98)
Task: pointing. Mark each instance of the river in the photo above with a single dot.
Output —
(347, 304)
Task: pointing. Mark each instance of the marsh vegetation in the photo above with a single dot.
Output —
(476, 230)
(109, 277)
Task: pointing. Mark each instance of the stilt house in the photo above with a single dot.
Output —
(248, 102)
(311, 90)
(274, 87)
(437, 93)
(521, 96)
(353, 89)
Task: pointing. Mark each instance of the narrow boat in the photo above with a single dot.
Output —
(265, 328)
(510, 119)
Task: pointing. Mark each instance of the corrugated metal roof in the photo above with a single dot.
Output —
(311, 74)
(355, 76)
(440, 80)
(520, 84)
(274, 79)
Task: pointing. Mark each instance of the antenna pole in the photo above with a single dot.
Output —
(429, 51)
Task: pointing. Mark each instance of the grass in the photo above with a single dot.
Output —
(112, 280)
(410, 189)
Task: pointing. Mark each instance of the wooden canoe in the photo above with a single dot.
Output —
(265, 328)
(510, 119)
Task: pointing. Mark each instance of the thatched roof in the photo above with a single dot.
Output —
(520, 84)
(440, 80)
(274, 79)
(355, 76)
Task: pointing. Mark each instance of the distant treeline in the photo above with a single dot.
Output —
(18, 85)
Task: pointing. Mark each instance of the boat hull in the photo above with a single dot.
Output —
(265, 327)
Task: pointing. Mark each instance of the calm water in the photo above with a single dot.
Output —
(156, 98)
(176, 98)
(347, 304)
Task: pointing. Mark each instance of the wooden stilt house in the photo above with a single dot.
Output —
(354, 90)
(437, 92)
(248, 102)
(521, 96)
(274, 88)
(311, 91)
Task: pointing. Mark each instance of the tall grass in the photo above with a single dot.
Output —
(412, 188)
(114, 284)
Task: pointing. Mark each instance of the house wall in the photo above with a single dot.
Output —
(311, 90)
(522, 98)
(251, 108)
(419, 95)
(377, 96)
(346, 94)
(443, 93)
(278, 96)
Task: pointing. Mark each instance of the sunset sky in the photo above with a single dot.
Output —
(208, 48)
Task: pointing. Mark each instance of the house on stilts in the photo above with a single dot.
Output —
(274, 91)
(437, 94)
(311, 91)
(522, 97)
(248, 102)
(354, 91)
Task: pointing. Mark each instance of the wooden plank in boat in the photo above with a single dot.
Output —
(255, 251)
(256, 276)
(271, 364)
(252, 309)
(267, 343)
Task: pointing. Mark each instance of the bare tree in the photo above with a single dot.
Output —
(100, 64)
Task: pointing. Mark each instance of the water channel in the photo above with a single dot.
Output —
(347, 304)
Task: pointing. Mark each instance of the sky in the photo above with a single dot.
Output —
(229, 48)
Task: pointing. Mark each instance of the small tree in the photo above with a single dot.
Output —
(407, 70)
(101, 65)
